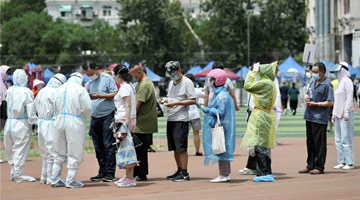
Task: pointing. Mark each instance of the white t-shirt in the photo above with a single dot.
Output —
(125, 90)
(194, 111)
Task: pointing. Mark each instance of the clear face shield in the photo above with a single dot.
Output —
(210, 81)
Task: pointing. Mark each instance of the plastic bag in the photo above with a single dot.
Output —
(126, 154)
(218, 138)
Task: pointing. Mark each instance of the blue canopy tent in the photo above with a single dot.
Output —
(67, 75)
(126, 64)
(243, 72)
(330, 65)
(355, 73)
(325, 63)
(350, 67)
(209, 65)
(289, 68)
(194, 70)
(154, 77)
(47, 75)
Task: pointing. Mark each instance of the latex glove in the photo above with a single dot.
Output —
(333, 120)
(346, 117)
(212, 122)
(205, 109)
(304, 84)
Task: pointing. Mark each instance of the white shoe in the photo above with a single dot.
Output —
(228, 178)
(247, 171)
(1, 161)
(339, 166)
(42, 181)
(219, 179)
(24, 178)
(348, 167)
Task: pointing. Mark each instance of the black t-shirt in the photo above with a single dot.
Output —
(284, 92)
(162, 89)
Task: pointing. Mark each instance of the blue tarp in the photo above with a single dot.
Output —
(126, 64)
(244, 73)
(47, 75)
(290, 65)
(154, 77)
(194, 70)
(209, 65)
(355, 73)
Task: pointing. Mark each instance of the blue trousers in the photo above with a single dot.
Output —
(102, 137)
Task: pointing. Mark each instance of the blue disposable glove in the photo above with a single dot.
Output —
(304, 84)
(205, 109)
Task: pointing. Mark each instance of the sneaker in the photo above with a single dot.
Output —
(43, 181)
(99, 177)
(128, 183)
(181, 177)
(347, 167)
(151, 150)
(109, 178)
(339, 166)
(278, 143)
(120, 181)
(173, 176)
(198, 154)
(247, 171)
(75, 184)
(1, 161)
(219, 179)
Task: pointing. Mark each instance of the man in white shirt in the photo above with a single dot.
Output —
(228, 85)
(194, 114)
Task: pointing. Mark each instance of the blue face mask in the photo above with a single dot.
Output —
(336, 74)
(316, 77)
(174, 78)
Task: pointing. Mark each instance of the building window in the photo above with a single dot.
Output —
(65, 14)
(86, 13)
(346, 6)
(107, 11)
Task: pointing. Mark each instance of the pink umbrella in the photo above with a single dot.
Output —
(32, 77)
(40, 73)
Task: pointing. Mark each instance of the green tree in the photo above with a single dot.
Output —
(22, 36)
(16, 8)
(150, 30)
(107, 38)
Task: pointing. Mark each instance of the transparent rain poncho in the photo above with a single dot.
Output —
(223, 104)
(261, 126)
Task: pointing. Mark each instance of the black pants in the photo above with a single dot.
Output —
(316, 145)
(142, 155)
(260, 162)
(284, 103)
(102, 137)
(293, 106)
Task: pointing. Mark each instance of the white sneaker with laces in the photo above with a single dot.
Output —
(247, 171)
(347, 167)
(339, 166)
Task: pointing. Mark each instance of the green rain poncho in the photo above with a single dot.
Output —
(261, 126)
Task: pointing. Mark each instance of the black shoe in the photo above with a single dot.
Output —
(151, 150)
(181, 177)
(137, 178)
(198, 154)
(99, 177)
(173, 176)
(109, 178)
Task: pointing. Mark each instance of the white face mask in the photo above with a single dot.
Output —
(308, 75)
(94, 77)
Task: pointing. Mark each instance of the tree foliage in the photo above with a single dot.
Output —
(16, 8)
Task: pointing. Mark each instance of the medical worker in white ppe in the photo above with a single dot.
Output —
(17, 131)
(46, 125)
(71, 104)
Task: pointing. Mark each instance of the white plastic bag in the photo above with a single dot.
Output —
(218, 138)
(126, 155)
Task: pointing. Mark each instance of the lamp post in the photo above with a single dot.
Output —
(249, 8)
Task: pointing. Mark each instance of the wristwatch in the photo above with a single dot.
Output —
(319, 105)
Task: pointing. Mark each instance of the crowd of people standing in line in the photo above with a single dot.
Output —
(62, 106)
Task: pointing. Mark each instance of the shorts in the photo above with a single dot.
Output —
(195, 124)
(177, 136)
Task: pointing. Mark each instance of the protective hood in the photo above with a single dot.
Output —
(343, 73)
(76, 77)
(267, 71)
(3, 78)
(20, 78)
(38, 82)
(57, 80)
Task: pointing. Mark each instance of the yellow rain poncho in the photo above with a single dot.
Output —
(261, 126)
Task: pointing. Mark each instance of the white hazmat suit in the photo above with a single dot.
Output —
(46, 125)
(21, 113)
(71, 104)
